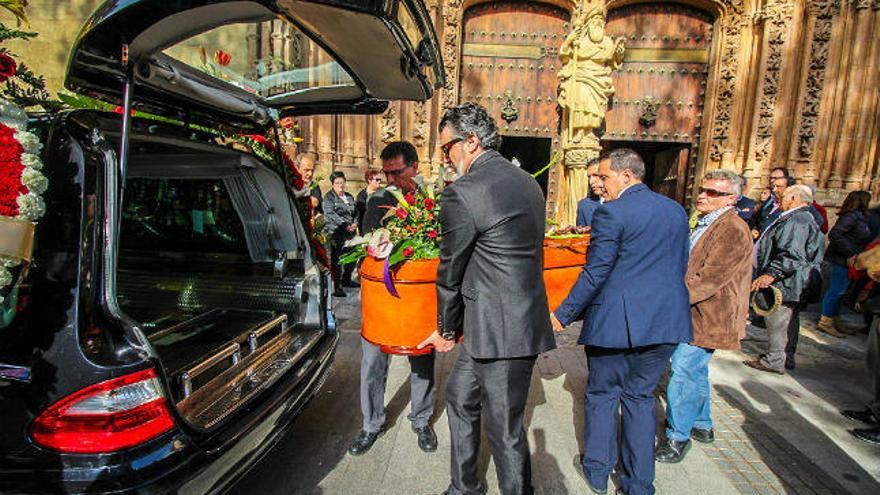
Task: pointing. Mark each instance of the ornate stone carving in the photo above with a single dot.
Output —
(422, 127)
(649, 112)
(451, 48)
(824, 10)
(862, 4)
(732, 27)
(390, 123)
(509, 111)
(777, 16)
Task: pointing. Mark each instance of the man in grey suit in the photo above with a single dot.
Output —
(490, 289)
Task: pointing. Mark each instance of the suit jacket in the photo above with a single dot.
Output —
(586, 208)
(632, 291)
(791, 250)
(765, 216)
(490, 281)
(719, 278)
(745, 207)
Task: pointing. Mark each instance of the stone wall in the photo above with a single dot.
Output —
(57, 22)
(792, 82)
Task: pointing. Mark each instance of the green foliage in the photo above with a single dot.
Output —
(25, 88)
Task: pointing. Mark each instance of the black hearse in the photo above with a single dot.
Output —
(175, 318)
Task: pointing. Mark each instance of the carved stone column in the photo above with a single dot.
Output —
(451, 39)
(824, 13)
(731, 28)
(776, 15)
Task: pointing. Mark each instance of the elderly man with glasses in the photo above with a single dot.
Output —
(788, 257)
(718, 277)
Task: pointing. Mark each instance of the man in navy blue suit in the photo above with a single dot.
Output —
(589, 205)
(635, 305)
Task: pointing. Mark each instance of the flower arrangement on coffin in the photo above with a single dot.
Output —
(412, 232)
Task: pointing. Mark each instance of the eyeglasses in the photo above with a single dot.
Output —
(714, 193)
(448, 146)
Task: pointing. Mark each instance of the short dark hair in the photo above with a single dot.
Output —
(784, 171)
(627, 159)
(336, 175)
(400, 148)
(471, 118)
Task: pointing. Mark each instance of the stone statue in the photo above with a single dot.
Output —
(585, 79)
(584, 88)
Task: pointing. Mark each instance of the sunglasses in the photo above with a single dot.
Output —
(448, 146)
(714, 193)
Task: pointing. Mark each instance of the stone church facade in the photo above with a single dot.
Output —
(741, 84)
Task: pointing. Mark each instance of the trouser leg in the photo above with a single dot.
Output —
(777, 337)
(374, 375)
(463, 411)
(794, 332)
(686, 393)
(335, 267)
(421, 381)
(504, 385)
(836, 290)
(873, 361)
(639, 416)
(607, 369)
(703, 421)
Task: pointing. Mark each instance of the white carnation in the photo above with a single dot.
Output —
(34, 180)
(31, 160)
(30, 207)
(29, 142)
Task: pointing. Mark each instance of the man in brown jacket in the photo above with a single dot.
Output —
(718, 278)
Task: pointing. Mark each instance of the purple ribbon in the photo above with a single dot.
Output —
(389, 282)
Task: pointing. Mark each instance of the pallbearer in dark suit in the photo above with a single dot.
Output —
(490, 289)
(634, 303)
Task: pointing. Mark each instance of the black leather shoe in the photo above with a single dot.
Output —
(363, 442)
(864, 416)
(703, 436)
(870, 435)
(427, 438)
(349, 283)
(789, 363)
(579, 467)
(672, 452)
(339, 293)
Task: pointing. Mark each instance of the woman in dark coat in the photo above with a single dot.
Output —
(339, 226)
(374, 185)
(848, 238)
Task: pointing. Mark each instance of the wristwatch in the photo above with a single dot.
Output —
(447, 334)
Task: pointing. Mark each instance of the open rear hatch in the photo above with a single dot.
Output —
(356, 55)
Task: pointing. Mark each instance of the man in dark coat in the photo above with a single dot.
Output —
(789, 254)
(400, 162)
(588, 205)
(490, 289)
(634, 303)
(745, 206)
(770, 210)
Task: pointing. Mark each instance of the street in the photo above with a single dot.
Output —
(774, 434)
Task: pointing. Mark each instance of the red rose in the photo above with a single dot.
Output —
(429, 203)
(410, 198)
(407, 252)
(401, 213)
(286, 122)
(222, 57)
(7, 67)
(432, 234)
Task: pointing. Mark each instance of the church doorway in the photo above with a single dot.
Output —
(657, 107)
(530, 153)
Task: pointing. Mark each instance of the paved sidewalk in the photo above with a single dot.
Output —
(770, 435)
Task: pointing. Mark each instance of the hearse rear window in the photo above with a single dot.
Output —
(265, 58)
(180, 216)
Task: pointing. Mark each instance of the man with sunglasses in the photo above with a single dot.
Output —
(400, 163)
(490, 290)
(718, 279)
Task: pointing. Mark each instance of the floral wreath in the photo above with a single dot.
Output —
(21, 187)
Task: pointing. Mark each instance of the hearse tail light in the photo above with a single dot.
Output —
(105, 417)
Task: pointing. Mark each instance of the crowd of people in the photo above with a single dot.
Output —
(661, 291)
